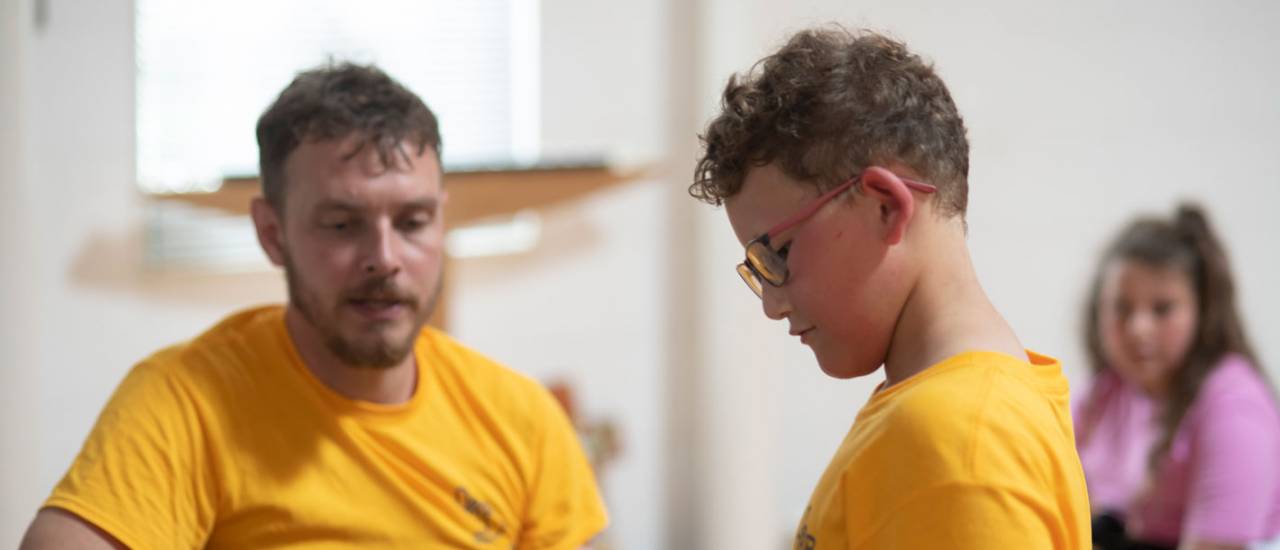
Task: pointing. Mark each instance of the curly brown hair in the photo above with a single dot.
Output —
(335, 101)
(828, 104)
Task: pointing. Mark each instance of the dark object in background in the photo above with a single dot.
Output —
(1108, 534)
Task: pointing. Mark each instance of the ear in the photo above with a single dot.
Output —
(894, 200)
(270, 228)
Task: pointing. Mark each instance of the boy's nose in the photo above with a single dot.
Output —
(775, 303)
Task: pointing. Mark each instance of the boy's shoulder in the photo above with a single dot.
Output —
(973, 383)
(971, 405)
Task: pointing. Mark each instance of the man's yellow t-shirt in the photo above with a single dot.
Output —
(228, 441)
(974, 452)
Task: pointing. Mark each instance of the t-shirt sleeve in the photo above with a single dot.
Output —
(565, 509)
(142, 475)
(1235, 449)
(962, 516)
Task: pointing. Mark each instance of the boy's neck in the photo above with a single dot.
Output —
(947, 312)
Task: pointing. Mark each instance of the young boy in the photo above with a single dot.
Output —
(842, 163)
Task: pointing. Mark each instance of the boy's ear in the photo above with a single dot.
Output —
(270, 229)
(894, 201)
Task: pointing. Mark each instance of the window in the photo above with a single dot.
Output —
(207, 70)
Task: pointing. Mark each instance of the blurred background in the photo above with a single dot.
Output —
(710, 424)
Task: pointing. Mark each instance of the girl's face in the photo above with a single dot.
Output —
(1148, 317)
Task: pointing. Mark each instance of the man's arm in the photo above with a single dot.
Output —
(565, 510)
(142, 478)
(55, 529)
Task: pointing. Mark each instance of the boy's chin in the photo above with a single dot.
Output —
(844, 369)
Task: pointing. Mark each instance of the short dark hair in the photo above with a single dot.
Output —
(335, 101)
(828, 104)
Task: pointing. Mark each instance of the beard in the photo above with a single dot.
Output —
(379, 347)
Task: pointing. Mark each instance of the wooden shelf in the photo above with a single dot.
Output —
(473, 195)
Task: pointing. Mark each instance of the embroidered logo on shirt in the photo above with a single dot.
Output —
(804, 541)
(493, 527)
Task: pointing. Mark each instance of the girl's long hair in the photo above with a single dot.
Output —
(1187, 244)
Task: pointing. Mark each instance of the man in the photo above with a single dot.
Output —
(842, 162)
(339, 419)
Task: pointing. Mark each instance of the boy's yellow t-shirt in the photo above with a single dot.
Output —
(974, 452)
(229, 442)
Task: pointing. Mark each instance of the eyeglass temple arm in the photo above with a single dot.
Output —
(822, 200)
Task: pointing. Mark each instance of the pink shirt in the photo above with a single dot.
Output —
(1221, 478)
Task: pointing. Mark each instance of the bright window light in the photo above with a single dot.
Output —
(207, 70)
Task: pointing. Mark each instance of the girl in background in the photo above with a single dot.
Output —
(1179, 434)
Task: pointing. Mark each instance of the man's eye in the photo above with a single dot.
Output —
(337, 225)
(414, 223)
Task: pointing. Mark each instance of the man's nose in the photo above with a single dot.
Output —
(382, 251)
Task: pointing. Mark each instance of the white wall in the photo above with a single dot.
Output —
(1080, 115)
(603, 79)
(17, 367)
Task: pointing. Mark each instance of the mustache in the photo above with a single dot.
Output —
(382, 289)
